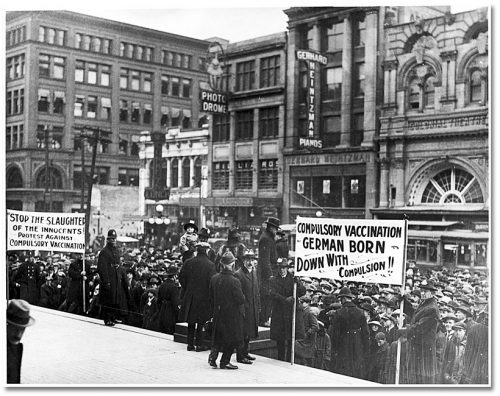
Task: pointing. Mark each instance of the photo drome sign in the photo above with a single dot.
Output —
(370, 251)
(61, 232)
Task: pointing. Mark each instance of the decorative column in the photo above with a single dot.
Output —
(369, 123)
(180, 176)
(384, 183)
(398, 165)
(448, 59)
(191, 172)
(345, 127)
(169, 172)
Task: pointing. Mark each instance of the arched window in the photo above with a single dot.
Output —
(14, 178)
(186, 173)
(54, 179)
(197, 172)
(475, 86)
(414, 95)
(174, 176)
(452, 186)
(429, 96)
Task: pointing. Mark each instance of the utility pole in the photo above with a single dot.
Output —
(47, 170)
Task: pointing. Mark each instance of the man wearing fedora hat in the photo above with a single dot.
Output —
(350, 338)
(267, 260)
(18, 318)
(168, 301)
(203, 236)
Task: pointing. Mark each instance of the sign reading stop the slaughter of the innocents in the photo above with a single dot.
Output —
(61, 232)
(371, 251)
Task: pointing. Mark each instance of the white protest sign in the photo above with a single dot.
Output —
(61, 232)
(371, 251)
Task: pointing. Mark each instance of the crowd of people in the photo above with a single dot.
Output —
(438, 320)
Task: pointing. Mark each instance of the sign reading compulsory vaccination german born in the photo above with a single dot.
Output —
(371, 251)
(61, 232)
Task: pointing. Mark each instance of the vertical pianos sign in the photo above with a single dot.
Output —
(311, 58)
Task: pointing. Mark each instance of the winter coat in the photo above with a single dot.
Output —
(168, 301)
(50, 296)
(114, 288)
(282, 308)
(266, 261)
(234, 246)
(250, 288)
(135, 315)
(350, 341)
(378, 371)
(227, 305)
(75, 288)
(305, 347)
(28, 276)
(282, 248)
(14, 360)
(194, 278)
(475, 364)
(150, 312)
(391, 363)
(421, 334)
(322, 350)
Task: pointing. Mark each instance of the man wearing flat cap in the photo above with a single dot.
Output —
(18, 318)
(194, 277)
(350, 338)
(267, 260)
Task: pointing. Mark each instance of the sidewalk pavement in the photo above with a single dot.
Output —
(72, 350)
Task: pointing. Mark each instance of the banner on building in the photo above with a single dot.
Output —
(60, 232)
(369, 251)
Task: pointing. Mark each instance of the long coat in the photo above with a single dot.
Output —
(305, 347)
(75, 288)
(250, 288)
(28, 276)
(350, 341)
(113, 275)
(194, 278)
(421, 335)
(282, 308)
(14, 361)
(266, 261)
(227, 304)
(475, 364)
(168, 301)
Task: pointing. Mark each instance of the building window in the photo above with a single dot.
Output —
(333, 86)
(51, 66)
(452, 186)
(305, 37)
(14, 178)
(186, 88)
(59, 65)
(51, 36)
(79, 104)
(148, 113)
(59, 100)
(124, 110)
(14, 137)
(269, 122)
(245, 76)
(359, 79)
(43, 100)
(186, 172)
(15, 36)
(147, 82)
(44, 65)
(220, 127)
(175, 82)
(422, 251)
(135, 80)
(355, 194)
(360, 33)
(128, 177)
(15, 67)
(164, 85)
(79, 71)
(269, 71)
(54, 179)
(176, 117)
(414, 95)
(331, 131)
(476, 93)
(429, 92)
(92, 73)
(174, 177)
(105, 108)
(334, 37)
(268, 174)
(307, 191)
(92, 107)
(164, 116)
(186, 119)
(136, 111)
(124, 78)
(244, 125)
(220, 176)
(244, 175)
(357, 129)
(197, 172)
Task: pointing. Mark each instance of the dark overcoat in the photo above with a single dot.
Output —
(475, 364)
(50, 296)
(282, 308)
(114, 288)
(267, 258)
(28, 276)
(194, 278)
(135, 315)
(75, 287)
(227, 304)
(250, 288)
(350, 341)
(421, 334)
(234, 246)
(168, 301)
(14, 360)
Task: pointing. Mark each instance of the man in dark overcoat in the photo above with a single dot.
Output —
(227, 305)
(77, 275)
(113, 287)
(135, 315)
(282, 244)
(282, 310)
(421, 334)
(267, 259)
(168, 301)
(194, 278)
(233, 245)
(27, 278)
(350, 338)
(249, 284)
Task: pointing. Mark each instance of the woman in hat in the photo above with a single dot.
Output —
(168, 301)
(18, 318)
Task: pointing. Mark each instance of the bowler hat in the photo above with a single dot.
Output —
(172, 270)
(345, 292)
(273, 221)
(191, 224)
(282, 262)
(112, 234)
(249, 253)
(204, 233)
(227, 258)
(18, 313)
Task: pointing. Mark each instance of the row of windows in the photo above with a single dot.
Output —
(176, 59)
(176, 117)
(135, 51)
(51, 136)
(93, 43)
(51, 36)
(176, 86)
(244, 121)
(269, 73)
(135, 80)
(267, 175)
(91, 107)
(51, 102)
(50, 66)
(92, 73)
(330, 131)
(15, 36)
(14, 135)
(15, 101)
(16, 67)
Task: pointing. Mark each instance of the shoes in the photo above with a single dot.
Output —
(118, 321)
(249, 357)
(212, 362)
(190, 348)
(201, 349)
(109, 323)
(244, 361)
(228, 366)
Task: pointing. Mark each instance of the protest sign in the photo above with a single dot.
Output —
(361, 250)
(61, 232)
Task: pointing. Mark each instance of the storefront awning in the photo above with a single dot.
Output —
(436, 234)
